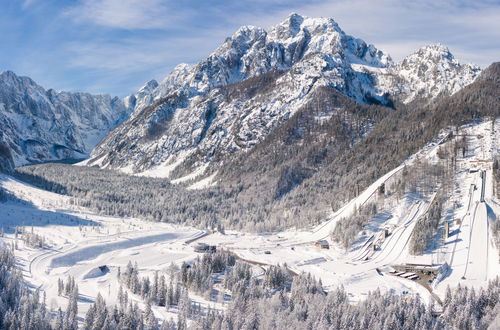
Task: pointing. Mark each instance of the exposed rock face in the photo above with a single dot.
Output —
(39, 125)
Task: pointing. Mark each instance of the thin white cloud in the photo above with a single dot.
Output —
(27, 3)
(126, 14)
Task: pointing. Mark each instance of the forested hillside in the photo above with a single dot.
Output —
(387, 145)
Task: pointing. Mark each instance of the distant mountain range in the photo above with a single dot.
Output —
(39, 125)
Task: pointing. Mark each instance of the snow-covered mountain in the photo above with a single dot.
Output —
(429, 72)
(254, 82)
(321, 48)
(39, 125)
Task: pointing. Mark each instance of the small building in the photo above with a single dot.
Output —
(419, 268)
(322, 244)
(201, 247)
(205, 248)
(386, 232)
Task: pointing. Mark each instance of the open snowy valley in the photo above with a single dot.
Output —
(53, 240)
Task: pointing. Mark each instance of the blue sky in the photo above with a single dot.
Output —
(115, 46)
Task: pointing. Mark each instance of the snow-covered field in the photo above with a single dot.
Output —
(80, 241)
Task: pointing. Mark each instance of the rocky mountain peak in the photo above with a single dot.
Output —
(289, 28)
(294, 21)
(9, 79)
(432, 71)
(434, 53)
(149, 86)
(435, 49)
(252, 51)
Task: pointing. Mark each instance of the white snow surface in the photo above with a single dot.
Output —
(80, 241)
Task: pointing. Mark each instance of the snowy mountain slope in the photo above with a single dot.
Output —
(40, 125)
(233, 99)
(254, 82)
